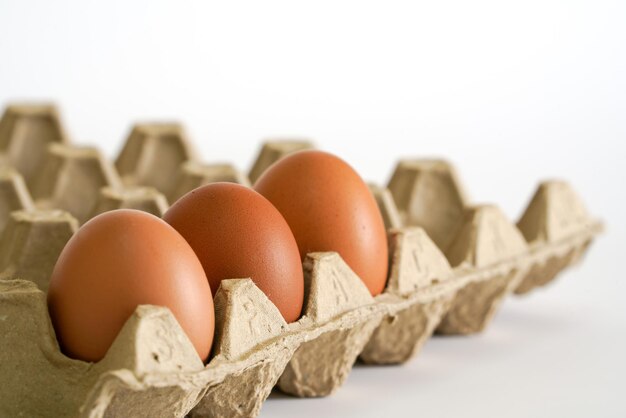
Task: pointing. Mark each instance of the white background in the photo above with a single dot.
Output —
(512, 92)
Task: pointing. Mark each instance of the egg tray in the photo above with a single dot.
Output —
(451, 266)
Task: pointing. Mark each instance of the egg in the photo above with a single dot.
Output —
(115, 262)
(330, 208)
(237, 233)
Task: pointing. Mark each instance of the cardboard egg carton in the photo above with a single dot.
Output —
(451, 266)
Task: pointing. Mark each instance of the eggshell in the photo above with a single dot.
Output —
(237, 233)
(329, 208)
(115, 262)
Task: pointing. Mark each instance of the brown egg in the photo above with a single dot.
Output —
(330, 208)
(119, 260)
(237, 233)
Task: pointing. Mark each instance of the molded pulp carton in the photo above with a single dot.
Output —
(452, 264)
